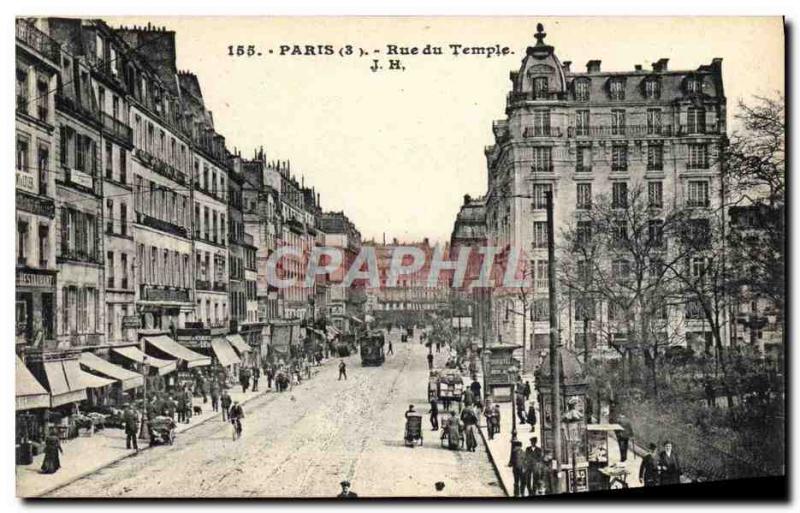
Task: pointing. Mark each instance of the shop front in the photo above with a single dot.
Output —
(35, 306)
(32, 401)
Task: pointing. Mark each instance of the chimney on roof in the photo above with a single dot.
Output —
(565, 66)
(593, 66)
(660, 64)
(637, 67)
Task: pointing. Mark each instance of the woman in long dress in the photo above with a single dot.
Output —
(453, 431)
(52, 447)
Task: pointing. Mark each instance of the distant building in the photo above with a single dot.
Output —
(344, 302)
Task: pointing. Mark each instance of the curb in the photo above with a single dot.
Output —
(494, 463)
(40, 495)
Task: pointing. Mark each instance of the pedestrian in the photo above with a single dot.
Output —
(430, 361)
(526, 390)
(669, 465)
(131, 421)
(200, 387)
(52, 448)
(452, 431)
(244, 379)
(391, 351)
(624, 436)
(488, 413)
(214, 392)
(496, 419)
(517, 465)
(475, 387)
(520, 400)
(532, 415)
(346, 493)
(648, 470)
(270, 375)
(469, 418)
(342, 370)
(226, 404)
(434, 411)
(468, 398)
(183, 406)
(533, 458)
(170, 407)
(205, 387)
(256, 375)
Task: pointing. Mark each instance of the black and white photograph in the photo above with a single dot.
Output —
(399, 257)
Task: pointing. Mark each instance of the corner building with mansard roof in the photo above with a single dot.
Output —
(582, 134)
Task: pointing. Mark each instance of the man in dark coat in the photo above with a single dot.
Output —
(226, 404)
(533, 458)
(434, 411)
(342, 370)
(624, 436)
(532, 415)
(669, 465)
(183, 406)
(244, 379)
(214, 392)
(520, 400)
(430, 361)
(346, 493)
(256, 375)
(131, 421)
(517, 465)
(526, 390)
(648, 470)
(476, 390)
(469, 417)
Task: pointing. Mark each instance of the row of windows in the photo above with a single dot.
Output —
(31, 85)
(206, 273)
(651, 87)
(696, 157)
(161, 266)
(33, 256)
(38, 174)
(211, 226)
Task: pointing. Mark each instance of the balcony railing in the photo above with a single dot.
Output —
(698, 129)
(220, 287)
(164, 226)
(79, 255)
(39, 41)
(158, 293)
(161, 167)
(70, 104)
(541, 131)
(117, 129)
(620, 131)
(202, 285)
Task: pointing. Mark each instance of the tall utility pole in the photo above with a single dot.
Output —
(555, 362)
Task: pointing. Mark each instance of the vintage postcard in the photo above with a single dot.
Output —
(399, 257)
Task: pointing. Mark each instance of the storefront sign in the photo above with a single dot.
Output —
(36, 279)
(152, 294)
(37, 205)
(26, 182)
(131, 322)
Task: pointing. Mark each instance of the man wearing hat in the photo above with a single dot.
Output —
(648, 470)
(517, 465)
(346, 493)
(533, 458)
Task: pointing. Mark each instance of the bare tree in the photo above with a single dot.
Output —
(617, 253)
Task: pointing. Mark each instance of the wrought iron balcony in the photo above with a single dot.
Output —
(541, 131)
(117, 129)
(39, 41)
(620, 131)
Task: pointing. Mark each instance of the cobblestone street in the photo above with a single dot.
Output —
(303, 442)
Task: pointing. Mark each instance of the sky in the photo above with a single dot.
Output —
(398, 150)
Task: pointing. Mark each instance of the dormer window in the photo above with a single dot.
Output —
(616, 88)
(540, 88)
(652, 89)
(694, 85)
(582, 90)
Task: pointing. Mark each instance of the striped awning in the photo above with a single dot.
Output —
(224, 352)
(168, 346)
(30, 393)
(133, 354)
(128, 379)
(65, 381)
(238, 342)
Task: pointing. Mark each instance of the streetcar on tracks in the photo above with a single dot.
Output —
(372, 349)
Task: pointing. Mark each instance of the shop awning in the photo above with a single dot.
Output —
(30, 393)
(133, 354)
(166, 345)
(128, 379)
(65, 381)
(92, 381)
(224, 352)
(238, 342)
(357, 319)
(333, 330)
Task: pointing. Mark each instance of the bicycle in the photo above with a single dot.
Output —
(237, 428)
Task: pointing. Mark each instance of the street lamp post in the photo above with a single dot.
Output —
(513, 372)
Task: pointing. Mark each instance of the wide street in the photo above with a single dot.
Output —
(303, 442)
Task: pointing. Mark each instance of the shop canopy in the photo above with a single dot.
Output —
(357, 319)
(333, 330)
(238, 342)
(224, 352)
(92, 381)
(30, 393)
(168, 346)
(65, 381)
(128, 379)
(133, 354)
(318, 332)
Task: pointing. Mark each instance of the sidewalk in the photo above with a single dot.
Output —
(85, 454)
(499, 449)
